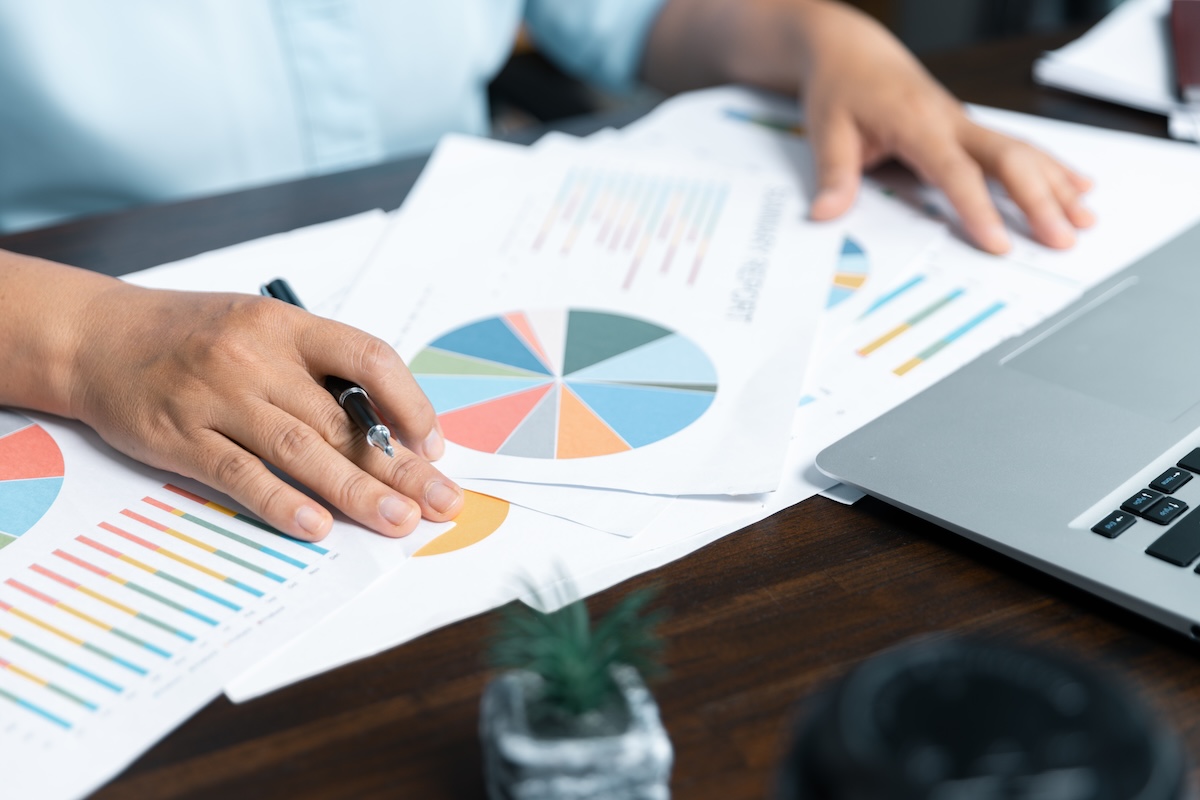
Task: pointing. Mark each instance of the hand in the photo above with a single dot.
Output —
(867, 99)
(212, 385)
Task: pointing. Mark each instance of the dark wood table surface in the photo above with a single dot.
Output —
(760, 619)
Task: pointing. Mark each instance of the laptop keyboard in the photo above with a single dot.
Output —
(1180, 544)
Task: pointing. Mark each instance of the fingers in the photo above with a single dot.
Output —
(838, 154)
(229, 468)
(1049, 194)
(942, 161)
(1066, 185)
(437, 497)
(335, 349)
(302, 452)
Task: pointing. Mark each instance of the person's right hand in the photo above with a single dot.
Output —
(212, 385)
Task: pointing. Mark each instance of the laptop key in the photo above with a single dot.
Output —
(1171, 480)
(1165, 510)
(1114, 524)
(1141, 502)
(1191, 461)
(1181, 543)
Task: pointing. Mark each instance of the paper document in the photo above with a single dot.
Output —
(607, 321)
(1126, 59)
(129, 596)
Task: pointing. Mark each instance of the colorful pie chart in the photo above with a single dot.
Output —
(31, 474)
(564, 383)
(852, 271)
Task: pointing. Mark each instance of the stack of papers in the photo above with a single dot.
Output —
(636, 343)
(1125, 59)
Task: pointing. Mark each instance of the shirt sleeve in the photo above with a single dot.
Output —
(601, 41)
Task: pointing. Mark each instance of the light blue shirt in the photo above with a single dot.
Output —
(111, 103)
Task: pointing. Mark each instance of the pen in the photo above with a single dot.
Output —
(351, 397)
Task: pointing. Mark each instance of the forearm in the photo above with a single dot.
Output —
(767, 43)
(42, 308)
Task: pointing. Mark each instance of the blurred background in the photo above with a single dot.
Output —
(531, 90)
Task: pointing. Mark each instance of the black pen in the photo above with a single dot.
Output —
(350, 396)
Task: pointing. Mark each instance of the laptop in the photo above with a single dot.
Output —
(1074, 447)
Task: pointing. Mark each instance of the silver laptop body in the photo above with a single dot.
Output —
(1048, 434)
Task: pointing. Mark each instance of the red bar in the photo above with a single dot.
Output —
(93, 543)
(29, 590)
(158, 504)
(185, 493)
(134, 515)
(79, 562)
(129, 536)
(54, 576)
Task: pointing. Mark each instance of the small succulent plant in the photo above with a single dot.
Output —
(574, 661)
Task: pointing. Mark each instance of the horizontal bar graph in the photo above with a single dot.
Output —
(134, 587)
(949, 338)
(208, 548)
(633, 220)
(187, 562)
(262, 548)
(910, 323)
(36, 709)
(62, 662)
(75, 640)
(195, 498)
(47, 684)
(88, 618)
(89, 622)
(124, 609)
(889, 296)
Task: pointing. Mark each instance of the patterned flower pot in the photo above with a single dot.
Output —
(627, 757)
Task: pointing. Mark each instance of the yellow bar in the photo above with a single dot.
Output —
(849, 281)
(108, 600)
(76, 612)
(215, 507)
(185, 538)
(46, 626)
(906, 366)
(882, 340)
(39, 681)
(190, 563)
(116, 580)
(177, 512)
(138, 564)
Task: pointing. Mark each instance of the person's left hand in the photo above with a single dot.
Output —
(867, 99)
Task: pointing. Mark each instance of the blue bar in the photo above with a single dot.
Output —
(893, 294)
(44, 714)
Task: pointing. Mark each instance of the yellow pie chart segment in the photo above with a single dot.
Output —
(482, 515)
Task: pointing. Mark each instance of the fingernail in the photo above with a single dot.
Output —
(825, 197)
(395, 510)
(434, 446)
(1062, 232)
(441, 498)
(311, 521)
(995, 239)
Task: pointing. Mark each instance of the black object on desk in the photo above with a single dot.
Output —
(971, 718)
(350, 396)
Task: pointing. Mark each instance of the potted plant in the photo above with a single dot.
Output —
(571, 717)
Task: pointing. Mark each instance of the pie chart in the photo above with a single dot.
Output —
(852, 271)
(31, 473)
(564, 383)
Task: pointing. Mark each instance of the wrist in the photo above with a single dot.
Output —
(43, 328)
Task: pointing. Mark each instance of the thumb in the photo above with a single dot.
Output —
(837, 153)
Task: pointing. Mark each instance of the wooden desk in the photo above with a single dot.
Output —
(760, 619)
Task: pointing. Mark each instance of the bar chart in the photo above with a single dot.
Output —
(634, 221)
(119, 610)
